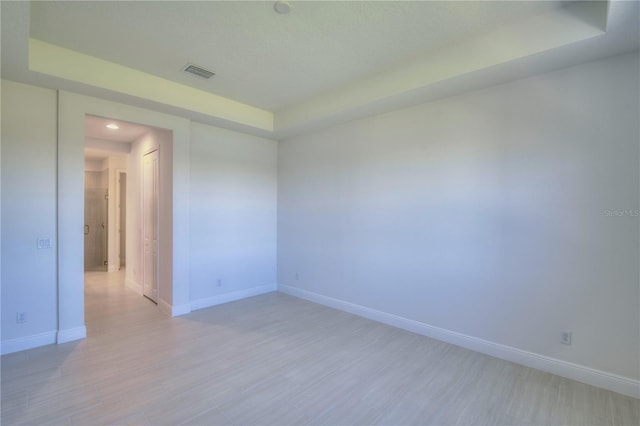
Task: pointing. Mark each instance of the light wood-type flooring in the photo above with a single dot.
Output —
(277, 360)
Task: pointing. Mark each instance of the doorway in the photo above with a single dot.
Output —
(172, 135)
(132, 168)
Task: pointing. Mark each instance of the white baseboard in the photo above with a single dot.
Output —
(164, 307)
(133, 285)
(591, 376)
(28, 342)
(177, 310)
(71, 334)
(232, 296)
(174, 310)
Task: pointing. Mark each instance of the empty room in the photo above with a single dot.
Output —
(320, 212)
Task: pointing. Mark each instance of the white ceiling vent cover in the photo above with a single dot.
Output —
(199, 71)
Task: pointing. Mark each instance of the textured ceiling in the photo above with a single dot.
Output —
(325, 63)
(102, 142)
(95, 127)
(261, 58)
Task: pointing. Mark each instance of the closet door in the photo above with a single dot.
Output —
(150, 225)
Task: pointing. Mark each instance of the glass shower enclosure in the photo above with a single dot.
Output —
(96, 207)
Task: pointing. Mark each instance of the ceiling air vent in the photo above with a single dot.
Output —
(199, 71)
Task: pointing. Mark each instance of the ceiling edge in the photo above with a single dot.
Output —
(513, 42)
(446, 72)
(64, 63)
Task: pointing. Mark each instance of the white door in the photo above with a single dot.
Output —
(150, 225)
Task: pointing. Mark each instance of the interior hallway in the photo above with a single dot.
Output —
(110, 306)
(275, 359)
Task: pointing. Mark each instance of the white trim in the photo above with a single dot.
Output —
(177, 310)
(71, 334)
(133, 285)
(232, 296)
(173, 311)
(164, 307)
(581, 373)
(29, 342)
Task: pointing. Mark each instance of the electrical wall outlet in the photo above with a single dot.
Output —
(565, 337)
(219, 283)
(21, 317)
(297, 277)
(44, 243)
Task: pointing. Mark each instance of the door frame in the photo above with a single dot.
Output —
(72, 109)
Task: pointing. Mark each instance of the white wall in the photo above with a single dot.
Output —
(233, 215)
(499, 214)
(28, 213)
(29, 208)
(235, 188)
(484, 214)
(119, 148)
(93, 165)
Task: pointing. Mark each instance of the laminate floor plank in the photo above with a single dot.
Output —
(277, 360)
(187, 405)
(210, 417)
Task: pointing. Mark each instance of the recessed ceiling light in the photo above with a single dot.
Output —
(113, 126)
(282, 7)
